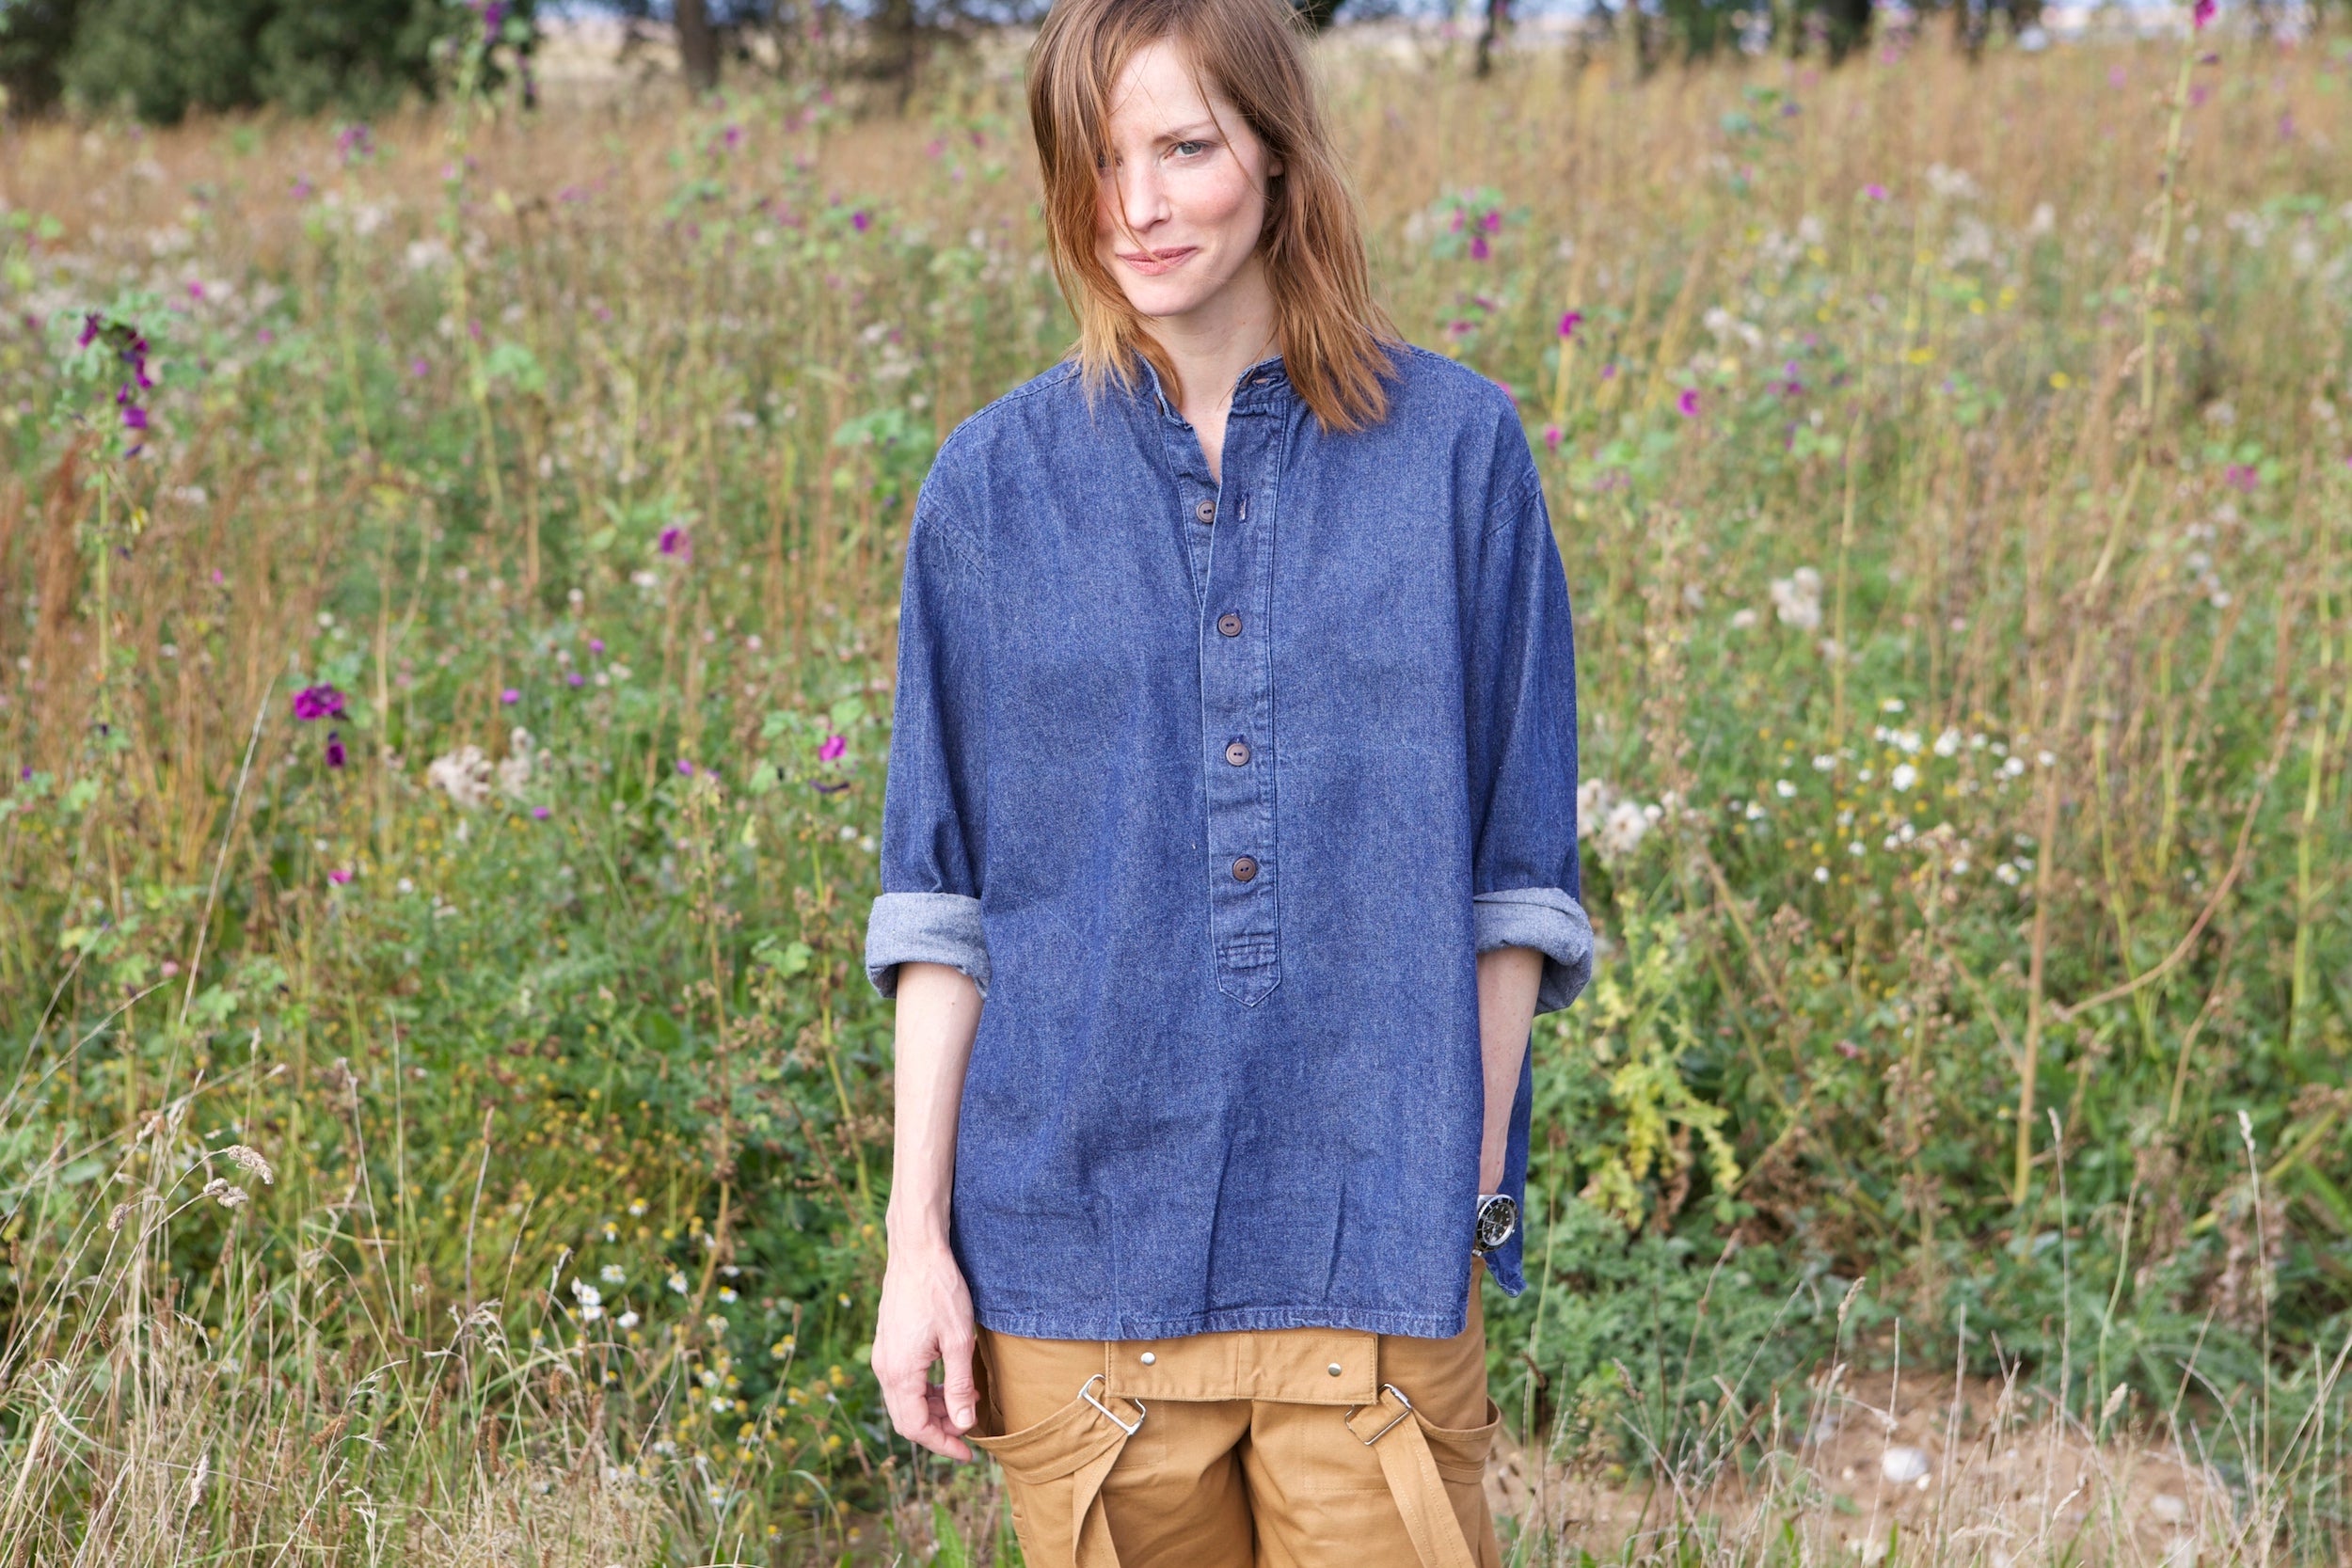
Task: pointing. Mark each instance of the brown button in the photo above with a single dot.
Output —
(1230, 623)
(1245, 868)
(1238, 752)
(1206, 511)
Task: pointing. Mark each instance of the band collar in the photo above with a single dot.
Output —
(1264, 383)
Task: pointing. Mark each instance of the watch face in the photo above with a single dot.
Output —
(1498, 1216)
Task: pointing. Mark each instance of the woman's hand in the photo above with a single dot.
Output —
(926, 1316)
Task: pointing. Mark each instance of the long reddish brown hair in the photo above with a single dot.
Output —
(1331, 333)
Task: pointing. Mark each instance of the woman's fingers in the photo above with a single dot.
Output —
(961, 1399)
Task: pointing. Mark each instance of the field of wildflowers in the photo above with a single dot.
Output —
(447, 579)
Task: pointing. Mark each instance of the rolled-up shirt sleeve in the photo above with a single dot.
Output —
(933, 834)
(1521, 724)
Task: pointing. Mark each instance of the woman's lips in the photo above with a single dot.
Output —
(1152, 263)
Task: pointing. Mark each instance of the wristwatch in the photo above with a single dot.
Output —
(1498, 1216)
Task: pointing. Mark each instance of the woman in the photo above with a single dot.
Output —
(1229, 848)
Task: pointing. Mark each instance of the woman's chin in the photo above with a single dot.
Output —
(1158, 302)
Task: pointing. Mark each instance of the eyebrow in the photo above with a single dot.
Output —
(1194, 131)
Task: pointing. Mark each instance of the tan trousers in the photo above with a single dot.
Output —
(1296, 1447)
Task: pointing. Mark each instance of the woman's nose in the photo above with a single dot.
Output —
(1140, 195)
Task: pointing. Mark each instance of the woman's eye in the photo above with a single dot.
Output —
(1186, 149)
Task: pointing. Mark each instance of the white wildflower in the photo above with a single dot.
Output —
(678, 1282)
(1785, 788)
(1903, 777)
(515, 773)
(1824, 763)
(1623, 830)
(1952, 184)
(465, 774)
(1947, 743)
(589, 1295)
(613, 1273)
(1797, 599)
(1593, 800)
(1821, 873)
(1743, 619)
(626, 1320)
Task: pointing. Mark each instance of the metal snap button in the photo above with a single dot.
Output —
(1238, 752)
(1206, 511)
(1148, 1358)
(1230, 623)
(1333, 1369)
(1245, 868)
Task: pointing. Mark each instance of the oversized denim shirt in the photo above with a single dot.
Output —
(1216, 791)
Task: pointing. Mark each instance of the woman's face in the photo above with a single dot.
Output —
(1189, 179)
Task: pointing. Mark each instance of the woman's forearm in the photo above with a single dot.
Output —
(1507, 981)
(939, 1013)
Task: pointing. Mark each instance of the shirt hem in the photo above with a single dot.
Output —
(1054, 1325)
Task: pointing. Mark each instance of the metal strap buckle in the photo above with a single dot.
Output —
(1386, 1387)
(1141, 1410)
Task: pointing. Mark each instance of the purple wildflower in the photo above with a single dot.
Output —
(540, 814)
(860, 220)
(335, 754)
(1492, 221)
(318, 701)
(1688, 403)
(1480, 250)
(90, 330)
(341, 875)
(510, 696)
(1874, 191)
(2203, 13)
(734, 138)
(2241, 476)
(596, 645)
(674, 542)
(1571, 322)
(1551, 437)
(685, 768)
(420, 366)
(573, 677)
(832, 747)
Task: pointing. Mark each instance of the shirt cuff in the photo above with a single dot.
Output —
(925, 927)
(1547, 920)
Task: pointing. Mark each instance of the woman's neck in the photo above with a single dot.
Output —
(1211, 345)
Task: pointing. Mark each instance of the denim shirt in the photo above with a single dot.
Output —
(1217, 791)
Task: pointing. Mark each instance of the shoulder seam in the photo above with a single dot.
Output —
(1044, 381)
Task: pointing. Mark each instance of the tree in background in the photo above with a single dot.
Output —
(161, 58)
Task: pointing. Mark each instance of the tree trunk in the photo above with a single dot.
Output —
(698, 45)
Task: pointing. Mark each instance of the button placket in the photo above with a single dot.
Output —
(1236, 696)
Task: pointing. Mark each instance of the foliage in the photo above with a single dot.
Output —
(161, 58)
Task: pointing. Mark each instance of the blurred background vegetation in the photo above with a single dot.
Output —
(449, 552)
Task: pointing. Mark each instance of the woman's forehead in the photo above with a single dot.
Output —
(1159, 90)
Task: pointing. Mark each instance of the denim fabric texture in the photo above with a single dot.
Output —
(1217, 790)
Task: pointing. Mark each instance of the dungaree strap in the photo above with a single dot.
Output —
(1390, 1430)
(1090, 1526)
